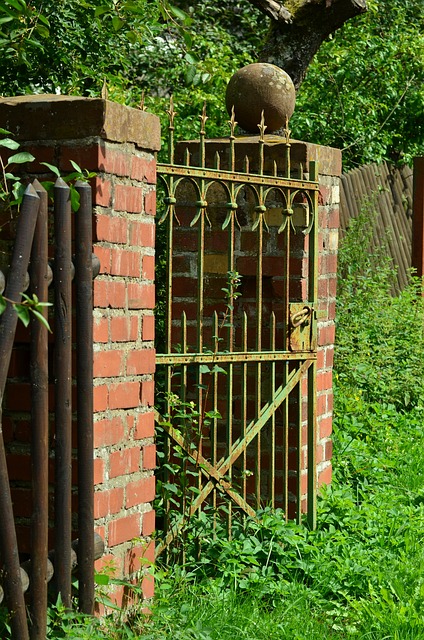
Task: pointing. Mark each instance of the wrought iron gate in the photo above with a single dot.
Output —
(239, 354)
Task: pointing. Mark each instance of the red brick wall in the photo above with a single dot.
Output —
(118, 144)
(329, 201)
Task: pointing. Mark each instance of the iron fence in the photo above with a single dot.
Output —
(239, 354)
(30, 252)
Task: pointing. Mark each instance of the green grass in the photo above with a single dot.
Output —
(360, 575)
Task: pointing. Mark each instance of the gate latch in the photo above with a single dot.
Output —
(301, 327)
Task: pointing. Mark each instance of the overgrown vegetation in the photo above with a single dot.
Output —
(361, 573)
(363, 92)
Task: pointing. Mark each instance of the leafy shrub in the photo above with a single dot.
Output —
(380, 339)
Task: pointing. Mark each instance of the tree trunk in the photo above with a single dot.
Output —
(298, 29)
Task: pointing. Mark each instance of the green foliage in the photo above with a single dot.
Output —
(11, 187)
(364, 92)
(361, 571)
(77, 175)
(151, 47)
(380, 336)
(23, 31)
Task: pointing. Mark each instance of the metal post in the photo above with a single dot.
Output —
(39, 426)
(63, 389)
(8, 541)
(84, 341)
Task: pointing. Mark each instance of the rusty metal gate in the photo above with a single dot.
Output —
(238, 360)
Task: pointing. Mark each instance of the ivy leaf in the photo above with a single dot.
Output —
(42, 319)
(21, 157)
(9, 143)
(117, 23)
(101, 579)
(75, 199)
(76, 166)
(52, 168)
(23, 313)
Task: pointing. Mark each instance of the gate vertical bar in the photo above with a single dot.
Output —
(39, 425)
(260, 210)
(63, 389)
(286, 301)
(273, 422)
(200, 217)
(312, 371)
(9, 554)
(84, 345)
(299, 445)
(231, 287)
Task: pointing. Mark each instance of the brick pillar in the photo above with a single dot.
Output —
(118, 143)
(330, 169)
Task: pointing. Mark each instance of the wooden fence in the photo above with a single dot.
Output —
(387, 190)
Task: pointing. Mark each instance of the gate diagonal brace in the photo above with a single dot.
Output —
(208, 469)
(218, 473)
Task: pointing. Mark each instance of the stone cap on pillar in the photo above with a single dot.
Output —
(59, 117)
(329, 159)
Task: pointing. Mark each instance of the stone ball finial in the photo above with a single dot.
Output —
(261, 87)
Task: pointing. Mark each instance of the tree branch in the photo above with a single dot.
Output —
(273, 9)
(298, 31)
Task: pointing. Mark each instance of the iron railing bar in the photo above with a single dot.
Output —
(169, 295)
(230, 346)
(286, 446)
(237, 178)
(299, 443)
(38, 272)
(259, 295)
(201, 397)
(272, 382)
(183, 381)
(236, 357)
(312, 373)
(214, 434)
(84, 363)
(286, 316)
(63, 389)
(184, 422)
(9, 553)
(244, 402)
